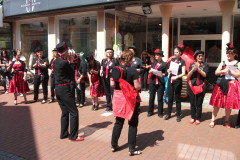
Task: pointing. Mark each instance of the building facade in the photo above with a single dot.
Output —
(91, 26)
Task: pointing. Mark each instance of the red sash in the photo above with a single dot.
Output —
(124, 100)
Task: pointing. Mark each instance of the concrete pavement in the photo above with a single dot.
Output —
(31, 131)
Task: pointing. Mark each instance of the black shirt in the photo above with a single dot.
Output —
(96, 65)
(204, 67)
(180, 62)
(146, 62)
(163, 68)
(51, 64)
(83, 68)
(111, 63)
(43, 70)
(63, 71)
(130, 74)
(137, 64)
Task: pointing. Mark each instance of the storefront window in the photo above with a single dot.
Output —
(80, 32)
(213, 51)
(203, 25)
(154, 34)
(236, 33)
(130, 30)
(5, 36)
(34, 32)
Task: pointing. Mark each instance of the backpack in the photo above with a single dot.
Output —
(124, 100)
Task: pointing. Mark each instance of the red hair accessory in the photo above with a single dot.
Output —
(181, 46)
(231, 45)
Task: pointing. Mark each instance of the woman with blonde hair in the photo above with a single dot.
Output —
(106, 67)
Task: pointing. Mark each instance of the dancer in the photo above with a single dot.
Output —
(64, 73)
(157, 83)
(226, 92)
(96, 87)
(18, 83)
(106, 68)
(41, 74)
(175, 82)
(197, 86)
(52, 76)
(130, 75)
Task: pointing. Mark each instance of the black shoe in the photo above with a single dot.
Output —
(150, 114)
(178, 119)
(108, 109)
(96, 107)
(167, 117)
(161, 115)
(93, 107)
(237, 126)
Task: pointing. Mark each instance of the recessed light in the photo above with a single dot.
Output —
(160, 24)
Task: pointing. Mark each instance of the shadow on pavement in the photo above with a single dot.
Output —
(17, 133)
(90, 129)
(145, 140)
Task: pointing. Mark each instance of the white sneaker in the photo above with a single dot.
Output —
(6, 92)
(21, 95)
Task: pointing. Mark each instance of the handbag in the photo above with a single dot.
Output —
(219, 79)
(196, 89)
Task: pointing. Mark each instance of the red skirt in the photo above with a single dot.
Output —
(17, 84)
(97, 89)
(229, 101)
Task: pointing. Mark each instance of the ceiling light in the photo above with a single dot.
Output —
(146, 8)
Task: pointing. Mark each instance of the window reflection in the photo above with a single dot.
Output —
(203, 25)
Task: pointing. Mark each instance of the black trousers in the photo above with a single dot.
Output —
(37, 82)
(238, 120)
(152, 92)
(174, 89)
(196, 104)
(81, 93)
(132, 131)
(144, 79)
(68, 106)
(108, 91)
(52, 87)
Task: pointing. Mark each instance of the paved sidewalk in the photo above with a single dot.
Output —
(31, 131)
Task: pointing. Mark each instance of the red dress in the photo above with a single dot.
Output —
(229, 101)
(97, 89)
(17, 84)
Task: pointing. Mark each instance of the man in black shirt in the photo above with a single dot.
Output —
(40, 64)
(64, 70)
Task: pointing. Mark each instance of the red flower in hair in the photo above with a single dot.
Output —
(181, 46)
(231, 45)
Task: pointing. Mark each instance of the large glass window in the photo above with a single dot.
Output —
(124, 30)
(5, 36)
(203, 25)
(33, 32)
(80, 32)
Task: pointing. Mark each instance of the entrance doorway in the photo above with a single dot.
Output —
(211, 45)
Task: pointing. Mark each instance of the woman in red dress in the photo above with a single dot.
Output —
(226, 93)
(96, 87)
(18, 83)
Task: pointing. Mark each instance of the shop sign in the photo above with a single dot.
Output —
(18, 7)
(30, 5)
